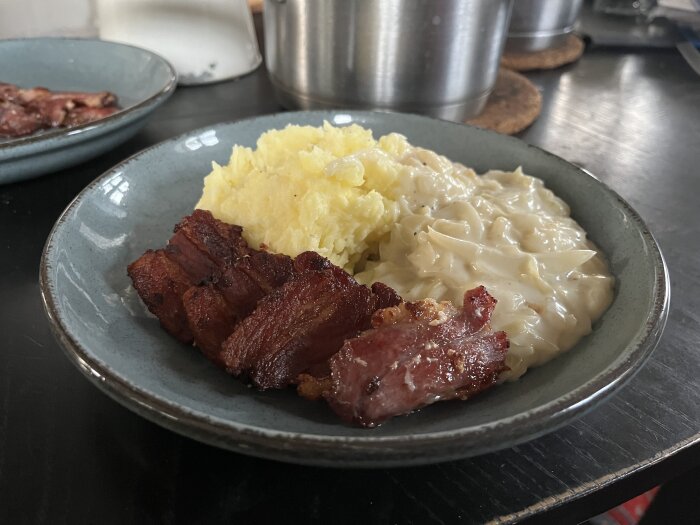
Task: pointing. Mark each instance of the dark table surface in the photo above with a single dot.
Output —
(69, 454)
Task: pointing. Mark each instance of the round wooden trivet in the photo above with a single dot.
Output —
(256, 6)
(514, 104)
(570, 52)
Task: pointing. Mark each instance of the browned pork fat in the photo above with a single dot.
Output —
(281, 321)
(160, 282)
(100, 99)
(415, 354)
(24, 111)
(209, 318)
(67, 108)
(9, 92)
(298, 326)
(252, 277)
(200, 250)
(83, 115)
(206, 280)
(15, 121)
(214, 310)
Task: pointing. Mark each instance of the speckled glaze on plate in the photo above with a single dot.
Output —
(103, 327)
(141, 80)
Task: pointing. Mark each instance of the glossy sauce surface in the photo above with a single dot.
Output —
(505, 230)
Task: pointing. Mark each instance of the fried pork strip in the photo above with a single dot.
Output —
(214, 310)
(201, 249)
(414, 355)
(99, 99)
(161, 283)
(280, 321)
(298, 326)
(24, 111)
(206, 280)
(204, 246)
(84, 115)
(209, 319)
(15, 121)
(9, 93)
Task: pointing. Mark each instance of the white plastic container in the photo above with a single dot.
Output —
(35, 18)
(205, 40)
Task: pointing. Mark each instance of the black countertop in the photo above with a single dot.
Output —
(69, 454)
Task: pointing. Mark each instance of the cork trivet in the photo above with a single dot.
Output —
(513, 105)
(256, 6)
(567, 53)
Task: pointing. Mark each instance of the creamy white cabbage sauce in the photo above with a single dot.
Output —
(457, 230)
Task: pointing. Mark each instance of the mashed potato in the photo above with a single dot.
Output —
(433, 228)
(324, 189)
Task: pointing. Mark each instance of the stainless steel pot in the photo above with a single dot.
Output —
(541, 24)
(438, 57)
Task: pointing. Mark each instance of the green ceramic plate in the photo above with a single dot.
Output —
(104, 329)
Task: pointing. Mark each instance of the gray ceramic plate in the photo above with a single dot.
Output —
(104, 329)
(141, 80)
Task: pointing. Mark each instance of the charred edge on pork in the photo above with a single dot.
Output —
(298, 326)
(414, 355)
(25, 111)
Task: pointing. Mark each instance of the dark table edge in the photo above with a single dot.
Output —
(605, 493)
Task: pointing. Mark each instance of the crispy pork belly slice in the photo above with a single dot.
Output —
(210, 319)
(214, 310)
(314, 386)
(415, 354)
(9, 92)
(51, 107)
(99, 99)
(15, 121)
(85, 114)
(29, 95)
(233, 278)
(204, 246)
(202, 249)
(386, 296)
(300, 325)
(312, 261)
(161, 283)
(253, 277)
(53, 111)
